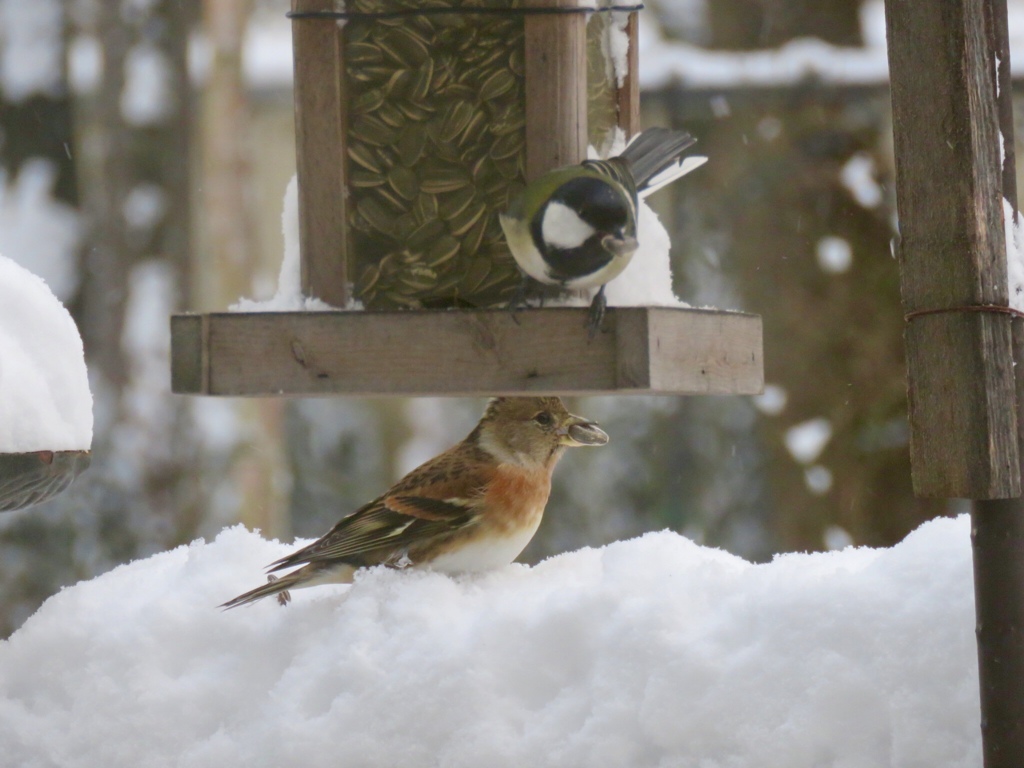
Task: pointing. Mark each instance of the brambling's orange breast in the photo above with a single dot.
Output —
(516, 498)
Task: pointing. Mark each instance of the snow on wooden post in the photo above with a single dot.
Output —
(963, 414)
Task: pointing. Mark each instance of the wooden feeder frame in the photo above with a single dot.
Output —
(453, 352)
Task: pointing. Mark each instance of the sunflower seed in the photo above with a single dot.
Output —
(473, 130)
(398, 83)
(443, 177)
(365, 157)
(372, 74)
(460, 224)
(367, 279)
(413, 110)
(376, 215)
(368, 101)
(363, 53)
(517, 62)
(418, 278)
(456, 118)
(421, 81)
(372, 131)
(410, 49)
(506, 146)
(391, 115)
(476, 273)
(403, 181)
(410, 145)
(425, 207)
(393, 201)
(456, 203)
(365, 180)
(444, 249)
(401, 300)
(425, 234)
(471, 242)
(497, 85)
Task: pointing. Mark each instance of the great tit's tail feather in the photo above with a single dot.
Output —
(672, 172)
(654, 156)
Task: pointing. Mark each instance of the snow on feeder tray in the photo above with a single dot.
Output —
(45, 402)
(416, 123)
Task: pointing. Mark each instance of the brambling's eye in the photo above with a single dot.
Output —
(544, 418)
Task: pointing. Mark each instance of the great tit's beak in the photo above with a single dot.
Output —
(577, 432)
(619, 245)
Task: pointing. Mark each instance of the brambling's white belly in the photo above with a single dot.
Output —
(486, 552)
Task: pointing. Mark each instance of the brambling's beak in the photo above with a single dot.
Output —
(576, 432)
(619, 245)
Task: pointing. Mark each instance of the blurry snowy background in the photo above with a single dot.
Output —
(145, 146)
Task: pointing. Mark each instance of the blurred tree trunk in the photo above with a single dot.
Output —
(38, 124)
(798, 175)
(135, 134)
(145, 490)
(37, 163)
(229, 254)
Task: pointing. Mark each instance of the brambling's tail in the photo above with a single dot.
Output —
(308, 576)
(274, 586)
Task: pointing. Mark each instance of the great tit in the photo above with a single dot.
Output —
(576, 226)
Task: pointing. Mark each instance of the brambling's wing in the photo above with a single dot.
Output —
(385, 529)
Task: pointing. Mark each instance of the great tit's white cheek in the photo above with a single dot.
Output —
(563, 228)
(517, 235)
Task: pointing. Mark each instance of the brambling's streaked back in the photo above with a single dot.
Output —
(473, 508)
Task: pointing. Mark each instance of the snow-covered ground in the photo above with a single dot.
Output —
(649, 652)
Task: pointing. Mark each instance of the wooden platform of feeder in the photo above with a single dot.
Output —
(643, 350)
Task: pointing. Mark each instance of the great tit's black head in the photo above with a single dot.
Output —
(596, 202)
(584, 209)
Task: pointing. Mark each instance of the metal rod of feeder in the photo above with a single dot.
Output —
(997, 527)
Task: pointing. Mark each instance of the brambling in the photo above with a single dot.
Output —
(576, 226)
(473, 508)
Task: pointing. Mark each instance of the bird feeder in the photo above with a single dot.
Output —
(416, 124)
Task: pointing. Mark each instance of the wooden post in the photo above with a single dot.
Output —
(556, 95)
(963, 415)
(953, 114)
(997, 527)
(320, 153)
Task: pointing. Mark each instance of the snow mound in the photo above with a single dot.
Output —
(649, 652)
(45, 402)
